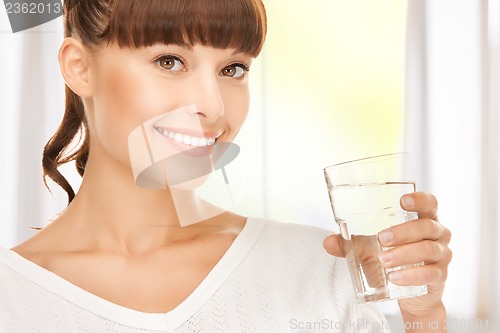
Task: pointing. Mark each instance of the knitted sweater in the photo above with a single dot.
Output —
(275, 277)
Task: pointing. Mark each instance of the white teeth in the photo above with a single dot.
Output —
(203, 142)
(178, 137)
(186, 139)
(195, 141)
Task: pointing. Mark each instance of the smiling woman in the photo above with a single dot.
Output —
(239, 25)
(157, 79)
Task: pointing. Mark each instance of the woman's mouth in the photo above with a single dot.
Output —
(188, 140)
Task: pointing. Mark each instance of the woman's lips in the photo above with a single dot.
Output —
(191, 144)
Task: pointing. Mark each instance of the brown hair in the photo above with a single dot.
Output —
(239, 24)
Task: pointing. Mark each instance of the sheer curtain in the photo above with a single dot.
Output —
(452, 126)
(31, 106)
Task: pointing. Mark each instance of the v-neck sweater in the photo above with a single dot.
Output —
(275, 277)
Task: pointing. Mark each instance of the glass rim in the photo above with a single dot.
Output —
(404, 153)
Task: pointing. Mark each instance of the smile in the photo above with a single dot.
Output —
(186, 139)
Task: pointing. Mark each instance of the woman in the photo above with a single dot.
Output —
(119, 258)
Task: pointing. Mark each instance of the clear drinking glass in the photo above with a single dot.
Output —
(365, 196)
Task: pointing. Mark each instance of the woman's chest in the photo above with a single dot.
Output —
(155, 284)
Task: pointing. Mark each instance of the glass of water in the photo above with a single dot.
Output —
(365, 196)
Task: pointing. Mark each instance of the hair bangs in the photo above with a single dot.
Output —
(238, 24)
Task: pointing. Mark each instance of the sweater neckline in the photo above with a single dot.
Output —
(169, 321)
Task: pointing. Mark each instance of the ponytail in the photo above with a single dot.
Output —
(56, 151)
(74, 124)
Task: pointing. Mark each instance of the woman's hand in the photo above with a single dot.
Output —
(424, 239)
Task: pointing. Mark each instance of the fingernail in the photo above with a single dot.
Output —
(384, 258)
(385, 237)
(395, 277)
(408, 201)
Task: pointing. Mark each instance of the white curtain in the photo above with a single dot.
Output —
(31, 106)
(452, 125)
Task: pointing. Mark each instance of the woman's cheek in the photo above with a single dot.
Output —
(236, 106)
(122, 104)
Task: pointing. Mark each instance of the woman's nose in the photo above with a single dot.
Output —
(208, 97)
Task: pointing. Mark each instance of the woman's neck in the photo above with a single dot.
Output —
(110, 211)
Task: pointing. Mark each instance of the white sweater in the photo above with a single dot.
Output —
(275, 277)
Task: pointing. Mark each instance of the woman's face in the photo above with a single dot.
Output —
(132, 86)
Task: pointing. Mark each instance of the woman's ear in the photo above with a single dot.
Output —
(75, 66)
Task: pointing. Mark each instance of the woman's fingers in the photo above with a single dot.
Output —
(426, 251)
(425, 204)
(414, 231)
(431, 275)
(333, 245)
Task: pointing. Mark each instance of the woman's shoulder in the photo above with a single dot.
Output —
(16, 262)
(18, 275)
(36, 249)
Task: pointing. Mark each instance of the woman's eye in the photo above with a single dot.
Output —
(235, 70)
(171, 63)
